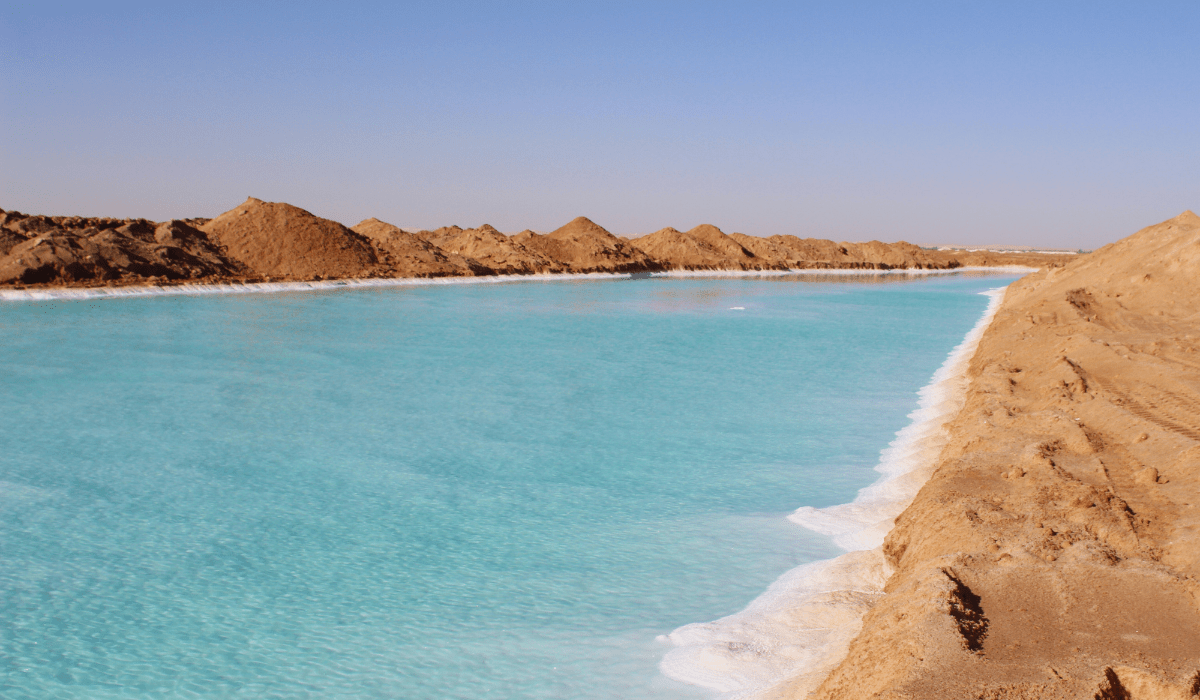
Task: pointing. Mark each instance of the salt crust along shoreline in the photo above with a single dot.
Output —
(801, 627)
(94, 293)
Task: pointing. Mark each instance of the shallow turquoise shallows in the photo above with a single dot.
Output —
(468, 491)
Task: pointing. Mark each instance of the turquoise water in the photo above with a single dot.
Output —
(472, 491)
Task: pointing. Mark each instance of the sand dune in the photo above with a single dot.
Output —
(583, 246)
(406, 254)
(501, 254)
(75, 250)
(705, 247)
(1054, 552)
(280, 240)
(272, 241)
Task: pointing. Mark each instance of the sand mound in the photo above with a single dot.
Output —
(807, 253)
(1053, 552)
(282, 241)
(705, 247)
(498, 252)
(582, 246)
(279, 241)
(72, 250)
(408, 255)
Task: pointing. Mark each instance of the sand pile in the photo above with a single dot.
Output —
(809, 253)
(493, 249)
(702, 248)
(69, 250)
(408, 255)
(260, 241)
(987, 258)
(282, 241)
(582, 246)
(1055, 551)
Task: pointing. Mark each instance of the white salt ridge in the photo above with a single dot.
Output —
(802, 626)
(93, 293)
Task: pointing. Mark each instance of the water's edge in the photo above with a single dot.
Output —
(797, 631)
(92, 293)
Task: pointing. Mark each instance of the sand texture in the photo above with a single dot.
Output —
(498, 252)
(702, 248)
(584, 246)
(406, 254)
(806, 253)
(275, 242)
(280, 240)
(76, 250)
(1055, 551)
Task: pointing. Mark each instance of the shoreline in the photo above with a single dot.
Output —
(800, 628)
(132, 291)
(1053, 552)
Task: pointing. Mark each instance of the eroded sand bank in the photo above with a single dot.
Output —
(1055, 550)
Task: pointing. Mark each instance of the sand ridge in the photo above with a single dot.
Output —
(502, 254)
(584, 246)
(261, 241)
(1054, 551)
(406, 254)
(76, 250)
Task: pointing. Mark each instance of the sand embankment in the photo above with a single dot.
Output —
(1055, 550)
(273, 242)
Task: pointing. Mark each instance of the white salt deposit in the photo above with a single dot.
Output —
(89, 293)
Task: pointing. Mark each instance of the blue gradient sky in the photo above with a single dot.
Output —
(1057, 124)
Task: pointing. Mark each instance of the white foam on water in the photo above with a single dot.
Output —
(94, 293)
(802, 626)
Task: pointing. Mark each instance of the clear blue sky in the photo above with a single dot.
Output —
(1047, 123)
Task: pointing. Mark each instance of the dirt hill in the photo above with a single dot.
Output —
(275, 241)
(282, 241)
(705, 247)
(801, 253)
(70, 250)
(405, 254)
(497, 251)
(582, 246)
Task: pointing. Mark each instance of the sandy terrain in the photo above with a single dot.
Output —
(498, 252)
(283, 241)
(1055, 551)
(583, 246)
(406, 254)
(271, 241)
(703, 248)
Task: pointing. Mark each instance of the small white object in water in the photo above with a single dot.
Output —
(737, 308)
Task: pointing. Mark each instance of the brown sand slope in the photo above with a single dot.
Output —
(1055, 552)
(283, 241)
(705, 247)
(987, 258)
(498, 252)
(807, 253)
(63, 250)
(408, 255)
(582, 246)
(278, 241)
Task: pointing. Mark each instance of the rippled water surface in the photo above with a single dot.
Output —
(475, 491)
